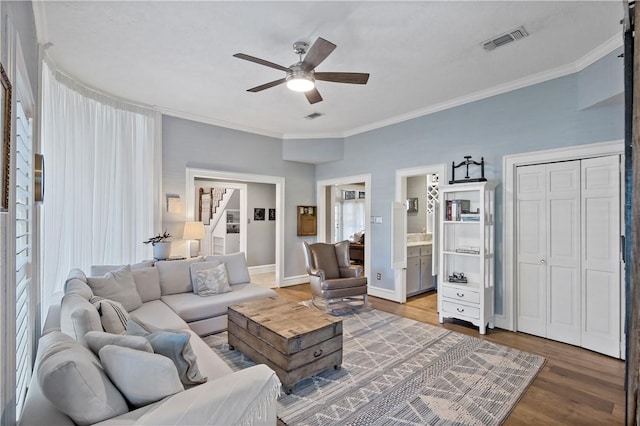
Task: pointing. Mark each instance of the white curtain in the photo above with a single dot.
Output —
(103, 176)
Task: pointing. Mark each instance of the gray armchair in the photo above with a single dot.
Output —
(331, 275)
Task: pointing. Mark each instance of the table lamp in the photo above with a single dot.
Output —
(193, 231)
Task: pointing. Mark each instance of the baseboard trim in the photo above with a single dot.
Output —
(295, 280)
(262, 269)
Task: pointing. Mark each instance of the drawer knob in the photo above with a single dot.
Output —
(317, 353)
(460, 310)
(460, 294)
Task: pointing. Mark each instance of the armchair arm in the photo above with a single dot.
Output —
(351, 272)
(316, 273)
(245, 397)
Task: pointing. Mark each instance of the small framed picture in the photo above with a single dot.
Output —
(361, 195)
(258, 214)
(349, 195)
(272, 214)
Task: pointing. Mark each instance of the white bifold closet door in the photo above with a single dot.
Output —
(568, 259)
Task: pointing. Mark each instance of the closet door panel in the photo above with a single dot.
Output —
(531, 250)
(563, 251)
(601, 302)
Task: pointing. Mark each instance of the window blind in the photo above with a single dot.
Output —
(24, 202)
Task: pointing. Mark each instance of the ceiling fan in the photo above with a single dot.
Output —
(302, 75)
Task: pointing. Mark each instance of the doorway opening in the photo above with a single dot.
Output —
(254, 203)
(344, 209)
(415, 230)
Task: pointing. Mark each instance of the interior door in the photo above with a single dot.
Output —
(601, 255)
(563, 251)
(531, 249)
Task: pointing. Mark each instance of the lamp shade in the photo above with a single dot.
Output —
(193, 231)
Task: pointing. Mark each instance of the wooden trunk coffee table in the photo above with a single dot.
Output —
(294, 340)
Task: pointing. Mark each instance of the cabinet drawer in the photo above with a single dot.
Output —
(465, 295)
(426, 250)
(460, 310)
(413, 251)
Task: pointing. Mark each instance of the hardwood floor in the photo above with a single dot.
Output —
(575, 387)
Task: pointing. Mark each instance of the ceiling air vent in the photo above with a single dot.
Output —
(505, 38)
(313, 115)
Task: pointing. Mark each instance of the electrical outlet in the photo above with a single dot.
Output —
(379, 276)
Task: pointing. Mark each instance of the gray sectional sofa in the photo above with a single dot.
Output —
(72, 384)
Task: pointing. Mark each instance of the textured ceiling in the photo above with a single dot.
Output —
(422, 55)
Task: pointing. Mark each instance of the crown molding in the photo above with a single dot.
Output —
(215, 122)
(42, 32)
(574, 67)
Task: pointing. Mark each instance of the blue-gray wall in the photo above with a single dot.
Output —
(542, 116)
(581, 108)
(191, 144)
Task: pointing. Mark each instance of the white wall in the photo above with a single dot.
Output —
(261, 236)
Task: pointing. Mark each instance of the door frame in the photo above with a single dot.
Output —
(193, 173)
(321, 201)
(400, 275)
(508, 318)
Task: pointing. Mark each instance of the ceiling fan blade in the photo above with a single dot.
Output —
(266, 85)
(261, 62)
(343, 77)
(313, 96)
(317, 53)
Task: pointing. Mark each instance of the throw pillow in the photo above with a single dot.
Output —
(142, 377)
(174, 275)
(212, 281)
(147, 282)
(173, 344)
(117, 285)
(100, 270)
(236, 267)
(112, 315)
(73, 380)
(195, 267)
(97, 340)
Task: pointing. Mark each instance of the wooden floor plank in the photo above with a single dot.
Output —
(576, 386)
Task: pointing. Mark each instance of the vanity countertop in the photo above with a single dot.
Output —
(418, 243)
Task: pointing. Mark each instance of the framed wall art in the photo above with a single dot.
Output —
(5, 131)
(272, 214)
(258, 214)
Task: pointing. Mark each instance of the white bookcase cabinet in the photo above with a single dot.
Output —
(467, 247)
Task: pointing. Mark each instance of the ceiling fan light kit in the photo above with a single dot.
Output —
(301, 76)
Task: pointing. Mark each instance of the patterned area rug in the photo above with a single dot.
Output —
(399, 371)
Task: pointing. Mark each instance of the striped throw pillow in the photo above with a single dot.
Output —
(113, 315)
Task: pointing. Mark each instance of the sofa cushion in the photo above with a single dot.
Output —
(173, 344)
(192, 307)
(147, 283)
(236, 267)
(100, 270)
(78, 316)
(97, 340)
(160, 315)
(209, 363)
(175, 276)
(78, 274)
(89, 396)
(212, 281)
(113, 316)
(119, 286)
(196, 267)
(79, 287)
(142, 377)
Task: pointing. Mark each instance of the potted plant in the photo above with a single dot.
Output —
(161, 247)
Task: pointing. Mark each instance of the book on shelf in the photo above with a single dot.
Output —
(469, 250)
(455, 209)
(470, 217)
